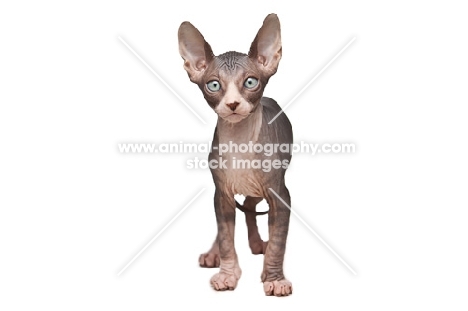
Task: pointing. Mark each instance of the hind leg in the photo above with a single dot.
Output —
(256, 244)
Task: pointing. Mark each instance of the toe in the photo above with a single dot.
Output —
(201, 260)
(230, 282)
(268, 288)
(218, 282)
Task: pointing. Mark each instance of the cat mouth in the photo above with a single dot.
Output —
(234, 117)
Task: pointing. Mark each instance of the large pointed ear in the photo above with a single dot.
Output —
(195, 51)
(266, 48)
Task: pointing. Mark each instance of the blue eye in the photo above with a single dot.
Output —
(213, 86)
(250, 83)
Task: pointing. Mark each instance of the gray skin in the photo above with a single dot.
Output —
(243, 116)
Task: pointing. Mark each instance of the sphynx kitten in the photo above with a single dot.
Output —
(232, 84)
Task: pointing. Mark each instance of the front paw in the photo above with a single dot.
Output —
(224, 281)
(277, 288)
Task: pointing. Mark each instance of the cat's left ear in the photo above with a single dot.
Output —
(266, 47)
(195, 51)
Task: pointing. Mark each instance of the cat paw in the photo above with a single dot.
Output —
(278, 288)
(209, 260)
(258, 247)
(224, 281)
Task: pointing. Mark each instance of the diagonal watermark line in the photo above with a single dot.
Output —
(313, 79)
(315, 233)
(160, 232)
(161, 79)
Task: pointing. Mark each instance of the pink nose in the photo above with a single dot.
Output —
(233, 105)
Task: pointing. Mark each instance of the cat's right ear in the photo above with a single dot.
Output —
(195, 51)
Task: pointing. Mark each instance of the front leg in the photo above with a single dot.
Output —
(229, 270)
(274, 282)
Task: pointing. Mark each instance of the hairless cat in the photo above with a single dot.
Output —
(232, 84)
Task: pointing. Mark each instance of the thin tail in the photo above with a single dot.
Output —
(239, 206)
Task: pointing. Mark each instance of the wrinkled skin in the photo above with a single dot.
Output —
(243, 116)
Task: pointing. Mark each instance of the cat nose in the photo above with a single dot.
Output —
(233, 105)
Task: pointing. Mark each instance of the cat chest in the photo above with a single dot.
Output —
(244, 181)
(240, 174)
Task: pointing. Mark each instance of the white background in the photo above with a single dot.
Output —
(74, 211)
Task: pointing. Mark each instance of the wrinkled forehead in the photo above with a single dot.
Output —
(233, 63)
